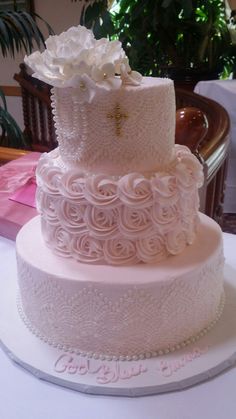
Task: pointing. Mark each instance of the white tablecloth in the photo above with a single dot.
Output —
(224, 92)
(22, 396)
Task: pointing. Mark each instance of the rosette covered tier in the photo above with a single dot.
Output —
(119, 219)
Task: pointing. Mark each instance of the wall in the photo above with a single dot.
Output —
(60, 14)
(232, 4)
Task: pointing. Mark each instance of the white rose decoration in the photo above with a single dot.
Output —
(57, 238)
(151, 249)
(190, 202)
(66, 56)
(165, 217)
(128, 76)
(106, 51)
(71, 216)
(101, 191)
(165, 189)
(176, 241)
(47, 205)
(86, 90)
(61, 240)
(188, 170)
(86, 248)
(76, 59)
(120, 251)
(135, 191)
(135, 222)
(101, 223)
(51, 179)
(72, 186)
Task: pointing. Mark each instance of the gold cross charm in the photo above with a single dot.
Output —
(117, 115)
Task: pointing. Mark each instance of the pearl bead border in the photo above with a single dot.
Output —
(103, 357)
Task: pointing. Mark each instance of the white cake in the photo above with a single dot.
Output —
(122, 264)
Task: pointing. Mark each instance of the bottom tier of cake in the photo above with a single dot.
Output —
(126, 312)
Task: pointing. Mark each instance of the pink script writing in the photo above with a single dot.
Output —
(168, 368)
(105, 372)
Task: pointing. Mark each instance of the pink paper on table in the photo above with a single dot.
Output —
(17, 194)
(26, 193)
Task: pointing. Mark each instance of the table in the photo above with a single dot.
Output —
(224, 92)
(23, 396)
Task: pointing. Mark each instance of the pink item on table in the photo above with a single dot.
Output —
(26, 193)
(17, 194)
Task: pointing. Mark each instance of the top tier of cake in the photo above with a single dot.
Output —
(121, 131)
(108, 118)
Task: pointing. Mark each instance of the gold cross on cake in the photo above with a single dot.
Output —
(117, 115)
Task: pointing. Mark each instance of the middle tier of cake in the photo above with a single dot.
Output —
(124, 312)
(119, 220)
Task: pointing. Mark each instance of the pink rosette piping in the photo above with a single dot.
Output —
(61, 240)
(101, 191)
(48, 177)
(135, 191)
(86, 249)
(71, 216)
(48, 206)
(151, 249)
(176, 241)
(72, 186)
(120, 251)
(135, 222)
(188, 170)
(102, 223)
(165, 189)
(165, 218)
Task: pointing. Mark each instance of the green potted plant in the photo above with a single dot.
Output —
(11, 134)
(96, 15)
(183, 39)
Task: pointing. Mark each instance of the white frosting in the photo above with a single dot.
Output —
(119, 220)
(92, 139)
(108, 119)
(117, 191)
(129, 311)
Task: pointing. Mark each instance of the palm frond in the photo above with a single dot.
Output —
(11, 134)
(19, 31)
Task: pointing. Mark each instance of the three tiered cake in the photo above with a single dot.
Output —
(119, 264)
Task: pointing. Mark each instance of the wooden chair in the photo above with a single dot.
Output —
(37, 114)
(210, 145)
(211, 148)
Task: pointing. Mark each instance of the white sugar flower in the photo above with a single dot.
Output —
(84, 89)
(105, 77)
(76, 59)
(130, 77)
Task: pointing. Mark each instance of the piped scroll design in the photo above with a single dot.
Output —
(94, 323)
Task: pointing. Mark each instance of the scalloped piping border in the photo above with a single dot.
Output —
(103, 357)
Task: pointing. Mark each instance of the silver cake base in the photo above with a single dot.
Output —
(212, 354)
